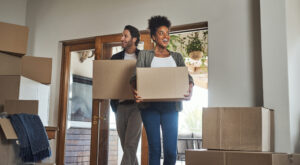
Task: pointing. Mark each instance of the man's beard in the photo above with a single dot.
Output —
(129, 44)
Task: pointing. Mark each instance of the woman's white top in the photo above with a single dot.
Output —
(158, 62)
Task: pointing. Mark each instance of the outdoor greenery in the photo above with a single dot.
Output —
(185, 43)
(192, 120)
(194, 43)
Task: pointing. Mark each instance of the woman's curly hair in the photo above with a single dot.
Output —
(157, 21)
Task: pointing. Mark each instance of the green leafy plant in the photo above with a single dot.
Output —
(177, 43)
(194, 43)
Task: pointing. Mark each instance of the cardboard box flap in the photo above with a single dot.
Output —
(42, 74)
(13, 38)
(8, 129)
(162, 83)
(111, 79)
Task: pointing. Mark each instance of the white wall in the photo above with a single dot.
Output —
(293, 55)
(84, 68)
(13, 11)
(234, 38)
(275, 70)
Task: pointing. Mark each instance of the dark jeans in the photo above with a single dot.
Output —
(161, 114)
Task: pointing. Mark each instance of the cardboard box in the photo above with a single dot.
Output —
(213, 157)
(35, 68)
(167, 83)
(111, 79)
(13, 39)
(22, 88)
(21, 106)
(238, 128)
(294, 159)
(8, 147)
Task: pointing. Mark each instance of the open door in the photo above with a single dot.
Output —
(105, 46)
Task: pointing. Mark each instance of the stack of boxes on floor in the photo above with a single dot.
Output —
(24, 85)
(238, 136)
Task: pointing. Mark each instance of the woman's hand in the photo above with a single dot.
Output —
(137, 98)
(190, 92)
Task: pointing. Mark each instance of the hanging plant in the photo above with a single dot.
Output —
(194, 47)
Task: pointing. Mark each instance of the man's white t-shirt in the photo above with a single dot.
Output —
(129, 56)
(158, 62)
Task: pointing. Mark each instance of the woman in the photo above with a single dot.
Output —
(160, 114)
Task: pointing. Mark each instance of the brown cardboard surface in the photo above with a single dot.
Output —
(294, 159)
(13, 38)
(9, 65)
(204, 157)
(238, 128)
(111, 79)
(35, 68)
(7, 129)
(21, 106)
(9, 88)
(214, 157)
(162, 83)
(211, 129)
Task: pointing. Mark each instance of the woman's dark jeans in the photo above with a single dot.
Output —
(161, 114)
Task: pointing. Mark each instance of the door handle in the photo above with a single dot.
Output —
(96, 118)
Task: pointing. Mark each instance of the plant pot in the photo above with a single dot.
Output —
(196, 55)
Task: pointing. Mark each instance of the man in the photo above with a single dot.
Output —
(128, 119)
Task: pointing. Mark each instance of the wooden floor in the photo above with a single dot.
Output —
(78, 142)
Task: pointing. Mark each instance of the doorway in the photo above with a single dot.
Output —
(103, 47)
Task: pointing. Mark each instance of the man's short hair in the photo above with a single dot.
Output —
(134, 32)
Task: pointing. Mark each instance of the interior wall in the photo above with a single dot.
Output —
(84, 68)
(275, 69)
(234, 38)
(13, 11)
(293, 55)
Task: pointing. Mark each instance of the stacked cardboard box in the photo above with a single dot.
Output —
(13, 39)
(24, 85)
(237, 135)
(219, 157)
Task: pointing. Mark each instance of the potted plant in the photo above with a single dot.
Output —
(194, 47)
(177, 44)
